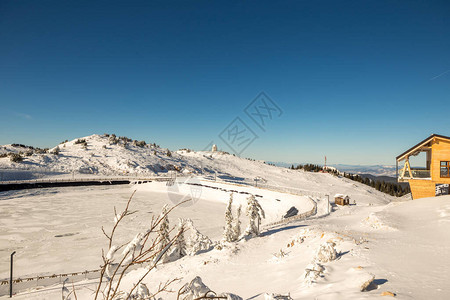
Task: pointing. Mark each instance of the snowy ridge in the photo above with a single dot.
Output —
(106, 156)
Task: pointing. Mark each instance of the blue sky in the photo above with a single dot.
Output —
(357, 81)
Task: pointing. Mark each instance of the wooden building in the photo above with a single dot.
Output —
(433, 178)
(341, 199)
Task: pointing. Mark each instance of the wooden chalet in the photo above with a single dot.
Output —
(430, 180)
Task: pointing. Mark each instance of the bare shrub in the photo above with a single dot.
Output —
(15, 157)
(145, 249)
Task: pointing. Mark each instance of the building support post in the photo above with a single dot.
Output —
(396, 169)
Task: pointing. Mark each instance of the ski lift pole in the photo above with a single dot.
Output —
(11, 276)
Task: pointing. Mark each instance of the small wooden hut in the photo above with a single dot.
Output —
(341, 199)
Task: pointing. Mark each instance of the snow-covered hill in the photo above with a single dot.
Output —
(109, 155)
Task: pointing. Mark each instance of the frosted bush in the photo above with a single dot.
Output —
(312, 272)
(140, 293)
(197, 289)
(326, 252)
(271, 296)
(197, 241)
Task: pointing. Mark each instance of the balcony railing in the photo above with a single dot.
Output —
(416, 174)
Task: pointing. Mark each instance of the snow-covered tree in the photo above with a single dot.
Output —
(228, 234)
(237, 224)
(254, 213)
(180, 242)
(197, 241)
(163, 232)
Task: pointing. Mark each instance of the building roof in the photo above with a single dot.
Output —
(340, 196)
(425, 141)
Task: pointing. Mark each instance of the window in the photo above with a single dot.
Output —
(445, 168)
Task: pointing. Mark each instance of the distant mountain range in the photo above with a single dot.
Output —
(376, 170)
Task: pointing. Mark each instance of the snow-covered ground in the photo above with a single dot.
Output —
(402, 245)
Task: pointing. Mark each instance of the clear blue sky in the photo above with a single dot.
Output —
(358, 81)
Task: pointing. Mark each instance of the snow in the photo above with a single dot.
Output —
(75, 161)
(340, 196)
(379, 246)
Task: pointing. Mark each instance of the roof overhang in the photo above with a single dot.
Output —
(420, 145)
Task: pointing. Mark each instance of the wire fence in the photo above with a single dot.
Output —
(23, 283)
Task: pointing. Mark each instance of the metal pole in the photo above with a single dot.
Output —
(328, 204)
(11, 276)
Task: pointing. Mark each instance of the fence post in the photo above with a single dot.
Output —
(11, 276)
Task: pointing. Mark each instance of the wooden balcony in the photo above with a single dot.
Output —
(406, 174)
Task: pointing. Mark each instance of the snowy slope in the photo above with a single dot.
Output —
(403, 246)
(59, 229)
(102, 157)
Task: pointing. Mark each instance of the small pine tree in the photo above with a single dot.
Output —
(237, 224)
(180, 242)
(168, 153)
(228, 234)
(254, 213)
(163, 233)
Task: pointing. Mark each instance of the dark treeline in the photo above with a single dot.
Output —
(308, 168)
(393, 189)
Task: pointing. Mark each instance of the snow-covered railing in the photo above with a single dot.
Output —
(27, 282)
(302, 216)
(86, 179)
(276, 188)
